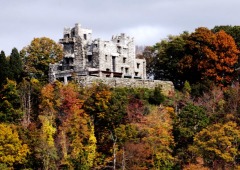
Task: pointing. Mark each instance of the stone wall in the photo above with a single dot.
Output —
(167, 86)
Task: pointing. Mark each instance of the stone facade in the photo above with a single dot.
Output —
(113, 62)
(86, 57)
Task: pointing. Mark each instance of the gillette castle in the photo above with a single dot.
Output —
(113, 62)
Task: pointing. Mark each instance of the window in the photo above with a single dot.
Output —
(124, 60)
(119, 49)
(136, 74)
(85, 36)
(121, 69)
(126, 70)
(113, 63)
(138, 64)
(89, 58)
(105, 57)
(73, 33)
(66, 36)
(118, 41)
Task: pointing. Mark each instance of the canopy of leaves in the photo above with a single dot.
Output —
(187, 123)
(38, 55)
(210, 56)
(218, 143)
(165, 57)
(12, 150)
(10, 106)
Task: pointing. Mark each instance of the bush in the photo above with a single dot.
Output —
(157, 97)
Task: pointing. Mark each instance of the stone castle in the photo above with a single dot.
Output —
(113, 62)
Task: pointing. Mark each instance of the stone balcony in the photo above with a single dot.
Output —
(67, 40)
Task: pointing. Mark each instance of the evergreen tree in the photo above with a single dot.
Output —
(10, 106)
(3, 68)
(15, 65)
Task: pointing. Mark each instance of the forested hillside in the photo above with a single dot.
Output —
(55, 126)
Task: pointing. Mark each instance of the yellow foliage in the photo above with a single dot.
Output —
(158, 124)
(11, 148)
(219, 141)
(47, 130)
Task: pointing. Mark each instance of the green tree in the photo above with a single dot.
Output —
(15, 66)
(38, 55)
(12, 149)
(157, 97)
(4, 69)
(165, 58)
(10, 106)
(187, 123)
(187, 88)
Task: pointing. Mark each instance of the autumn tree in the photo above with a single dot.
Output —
(160, 139)
(38, 55)
(13, 150)
(107, 110)
(210, 56)
(45, 149)
(232, 102)
(213, 102)
(218, 145)
(76, 131)
(234, 31)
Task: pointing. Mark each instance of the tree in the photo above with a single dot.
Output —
(157, 97)
(160, 139)
(29, 91)
(15, 66)
(187, 123)
(38, 55)
(4, 69)
(45, 149)
(210, 56)
(107, 111)
(213, 103)
(232, 101)
(165, 58)
(234, 31)
(12, 149)
(10, 106)
(218, 144)
(76, 131)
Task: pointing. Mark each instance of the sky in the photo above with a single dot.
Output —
(148, 21)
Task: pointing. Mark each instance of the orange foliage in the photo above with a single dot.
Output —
(213, 55)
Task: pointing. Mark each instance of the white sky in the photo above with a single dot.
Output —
(148, 21)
